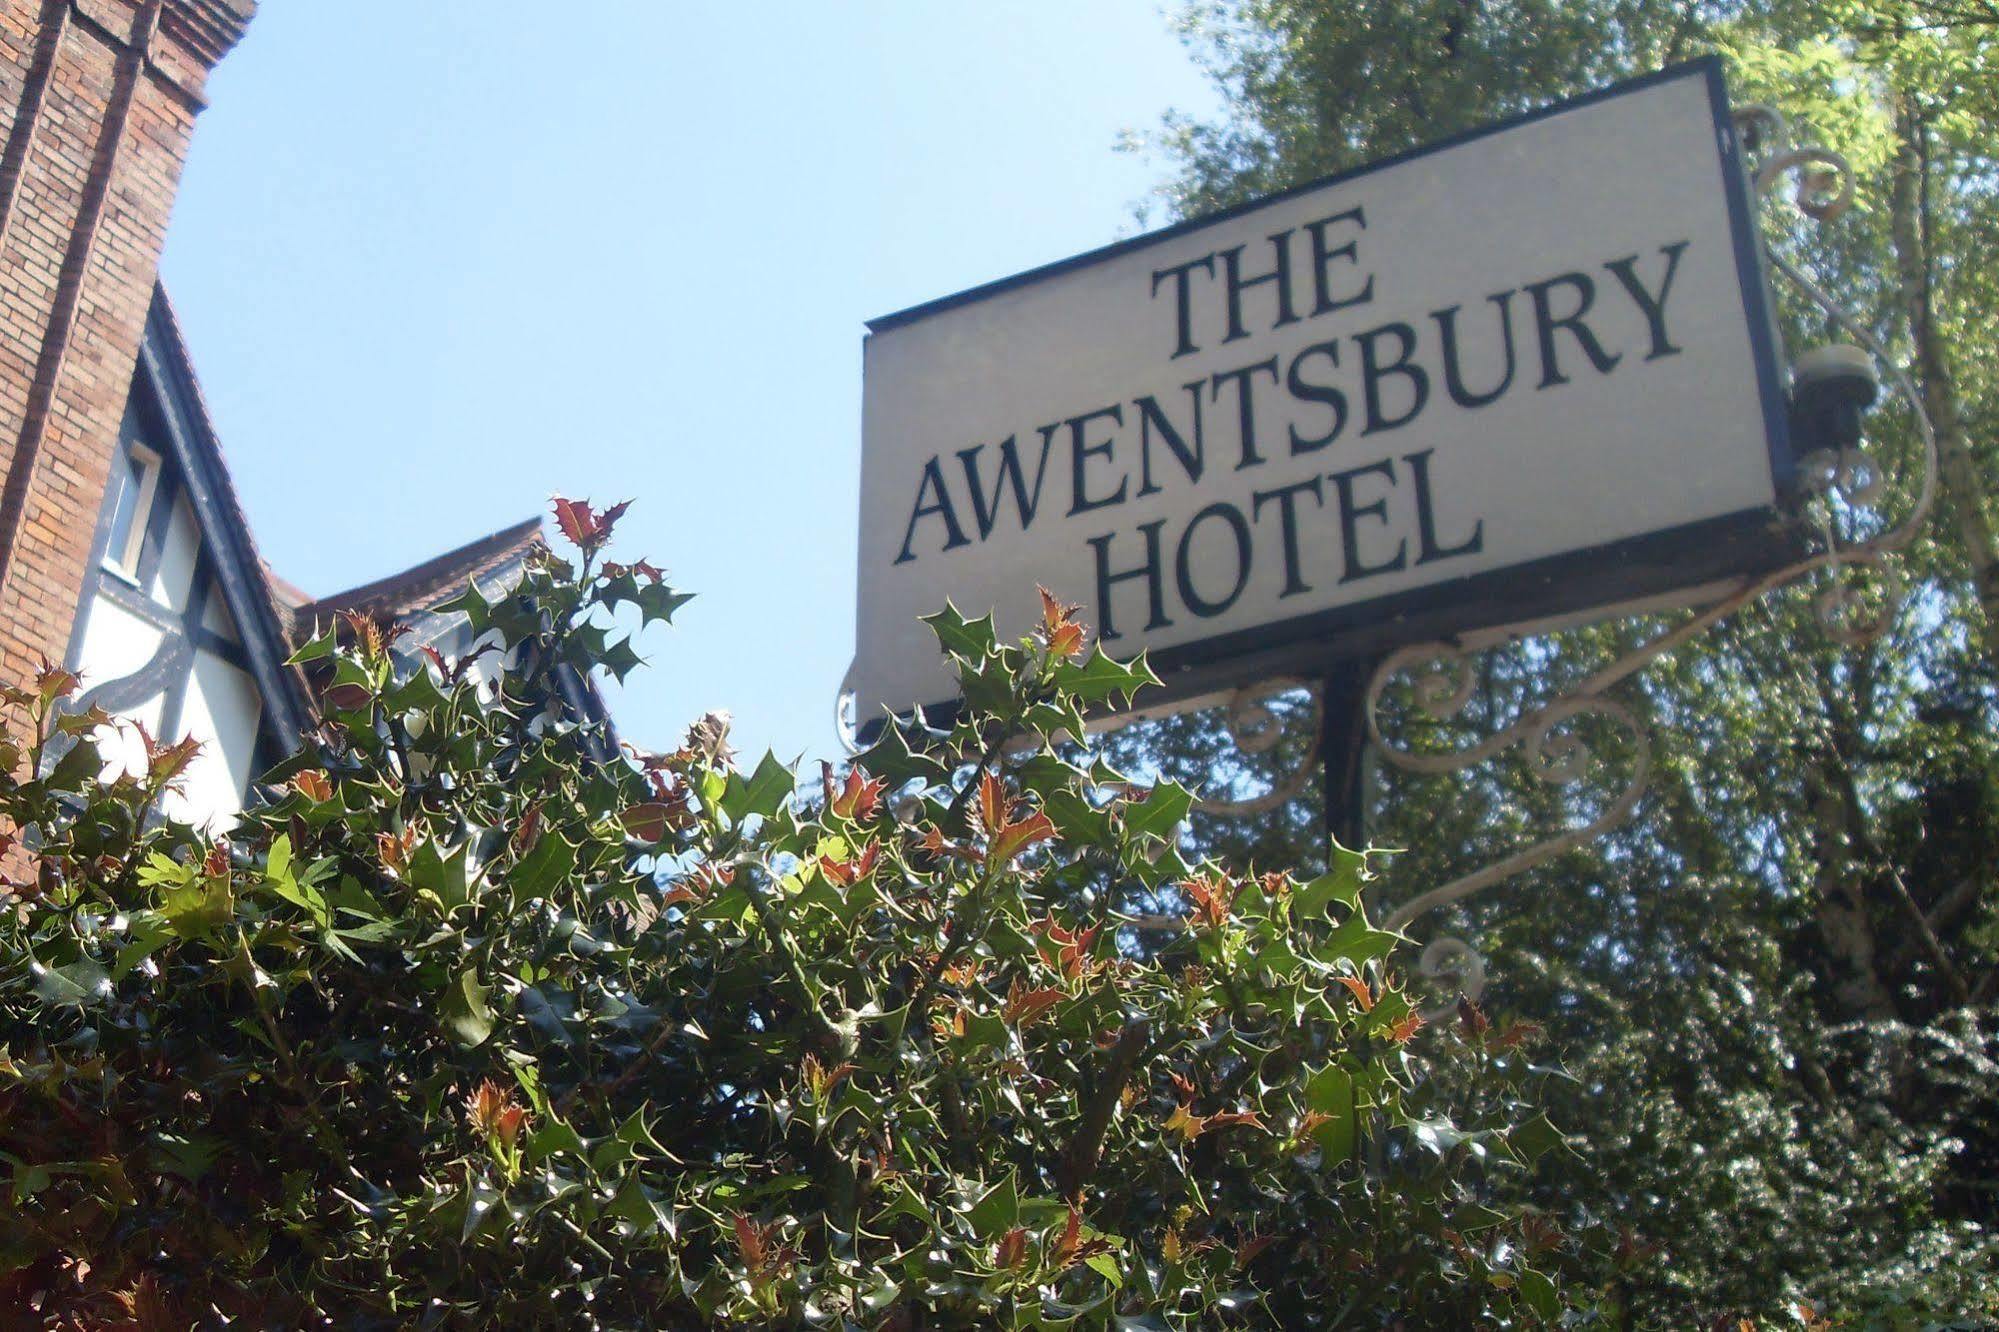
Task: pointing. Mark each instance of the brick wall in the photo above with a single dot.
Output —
(98, 100)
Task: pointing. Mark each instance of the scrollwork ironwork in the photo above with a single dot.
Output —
(1256, 728)
(1848, 484)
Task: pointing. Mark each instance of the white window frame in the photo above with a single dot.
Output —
(125, 562)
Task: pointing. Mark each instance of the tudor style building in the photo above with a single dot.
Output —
(124, 552)
(181, 627)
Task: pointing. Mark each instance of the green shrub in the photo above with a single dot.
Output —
(472, 1026)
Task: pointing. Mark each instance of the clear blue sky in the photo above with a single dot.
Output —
(437, 260)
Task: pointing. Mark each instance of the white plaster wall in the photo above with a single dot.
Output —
(115, 644)
(174, 578)
(215, 616)
(222, 711)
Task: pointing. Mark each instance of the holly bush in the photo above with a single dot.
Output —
(481, 1020)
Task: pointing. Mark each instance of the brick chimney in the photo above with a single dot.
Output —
(99, 99)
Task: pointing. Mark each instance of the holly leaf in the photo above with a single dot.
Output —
(1100, 678)
(1160, 813)
(763, 794)
(463, 1009)
(1341, 883)
(960, 637)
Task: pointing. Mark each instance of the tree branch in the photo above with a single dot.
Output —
(1079, 1162)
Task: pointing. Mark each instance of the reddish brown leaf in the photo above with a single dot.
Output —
(1072, 950)
(1473, 1023)
(494, 1114)
(1247, 1251)
(819, 1079)
(638, 569)
(1011, 1251)
(1070, 1247)
(1232, 1118)
(990, 812)
(348, 696)
(1407, 1027)
(647, 822)
(527, 832)
(845, 873)
(1059, 630)
(677, 895)
(166, 763)
(577, 521)
(1023, 1005)
(313, 785)
(52, 682)
(1362, 995)
(1211, 895)
(965, 973)
(750, 1246)
(1014, 838)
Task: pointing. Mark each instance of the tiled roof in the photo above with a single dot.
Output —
(415, 589)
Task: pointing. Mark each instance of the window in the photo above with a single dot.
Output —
(137, 482)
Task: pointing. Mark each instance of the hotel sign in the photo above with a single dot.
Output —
(1525, 373)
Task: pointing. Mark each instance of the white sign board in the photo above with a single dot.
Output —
(1527, 371)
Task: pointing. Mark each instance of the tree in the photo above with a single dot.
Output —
(469, 1028)
(1777, 981)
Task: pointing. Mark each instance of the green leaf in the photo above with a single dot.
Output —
(464, 1012)
(624, 1144)
(190, 1158)
(1535, 1138)
(997, 1210)
(1357, 941)
(278, 875)
(635, 1207)
(77, 768)
(970, 639)
(315, 649)
(79, 984)
(1331, 1092)
(620, 659)
(658, 602)
(539, 870)
(891, 759)
(1100, 678)
(1161, 813)
(199, 904)
(472, 602)
(1540, 1294)
(550, 1138)
(149, 934)
(444, 876)
(1342, 884)
(354, 900)
(763, 794)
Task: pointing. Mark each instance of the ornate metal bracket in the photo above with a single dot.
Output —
(1846, 486)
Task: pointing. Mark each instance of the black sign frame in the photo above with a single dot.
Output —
(1738, 545)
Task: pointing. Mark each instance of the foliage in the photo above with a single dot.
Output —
(1777, 982)
(472, 1027)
